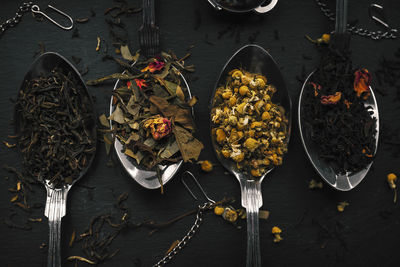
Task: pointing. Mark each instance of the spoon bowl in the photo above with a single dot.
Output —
(341, 182)
(56, 199)
(147, 179)
(254, 59)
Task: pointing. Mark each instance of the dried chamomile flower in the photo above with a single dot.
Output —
(248, 127)
(324, 39)
(218, 210)
(206, 165)
(230, 215)
(391, 178)
(314, 184)
(276, 231)
(342, 205)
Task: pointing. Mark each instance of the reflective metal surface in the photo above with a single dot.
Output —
(344, 182)
(238, 6)
(56, 200)
(147, 179)
(255, 59)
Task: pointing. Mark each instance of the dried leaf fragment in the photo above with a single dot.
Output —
(342, 205)
(98, 43)
(79, 258)
(9, 145)
(173, 245)
(189, 146)
(263, 214)
(71, 241)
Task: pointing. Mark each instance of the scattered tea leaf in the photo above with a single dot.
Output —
(117, 115)
(14, 198)
(104, 121)
(79, 258)
(180, 94)
(189, 146)
(71, 241)
(82, 20)
(264, 214)
(173, 245)
(98, 43)
(35, 219)
(9, 145)
(126, 54)
(192, 101)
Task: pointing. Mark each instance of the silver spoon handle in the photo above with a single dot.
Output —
(341, 16)
(252, 201)
(54, 211)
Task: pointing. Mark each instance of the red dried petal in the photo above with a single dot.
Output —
(362, 80)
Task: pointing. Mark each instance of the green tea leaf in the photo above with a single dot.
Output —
(189, 146)
(169, 150)
(126, 54)
(103, 120)
(117, 115)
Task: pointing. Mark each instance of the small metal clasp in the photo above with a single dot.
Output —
(36, 9)
(379, 9)
(197, 183)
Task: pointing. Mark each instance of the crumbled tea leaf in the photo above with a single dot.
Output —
(14, 198)
(71, 241)
(117, 115)
(35, 219)
(264, 214)
(82, 20)
(126, 54)
(192, 101)
(9, 145)
(170, 150)
(314, 184)
(342, 205)
(79, 258)
(189, 146)
(181, 115)
(179, 93)
(173, 245)
(98, 43)
(104, 121)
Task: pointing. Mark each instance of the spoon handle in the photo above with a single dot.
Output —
(252, 201)
(54, 211)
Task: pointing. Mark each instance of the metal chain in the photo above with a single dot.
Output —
(376, 35)
(17, 18)
(188, 236)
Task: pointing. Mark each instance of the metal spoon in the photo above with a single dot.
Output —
(56, 200)
(258, 6)
(147, 179)
(342, 182)
(255, 59)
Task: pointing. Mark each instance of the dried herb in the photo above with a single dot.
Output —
(334, 113)
(55, 121)
(152, 116)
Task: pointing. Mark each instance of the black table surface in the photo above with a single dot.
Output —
(314, 232)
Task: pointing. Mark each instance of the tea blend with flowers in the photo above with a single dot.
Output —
(335, 114)
(152, 115)
(247, 126)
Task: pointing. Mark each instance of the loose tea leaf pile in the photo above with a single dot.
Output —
(152, 115)
(335, 115)
(55, 120)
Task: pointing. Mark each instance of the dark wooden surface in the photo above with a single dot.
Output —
(315, 234)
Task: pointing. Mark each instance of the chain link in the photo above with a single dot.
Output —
(188, 236)
(375, 35)
(24, 8)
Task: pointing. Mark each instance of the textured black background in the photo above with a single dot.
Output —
(365, 234)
